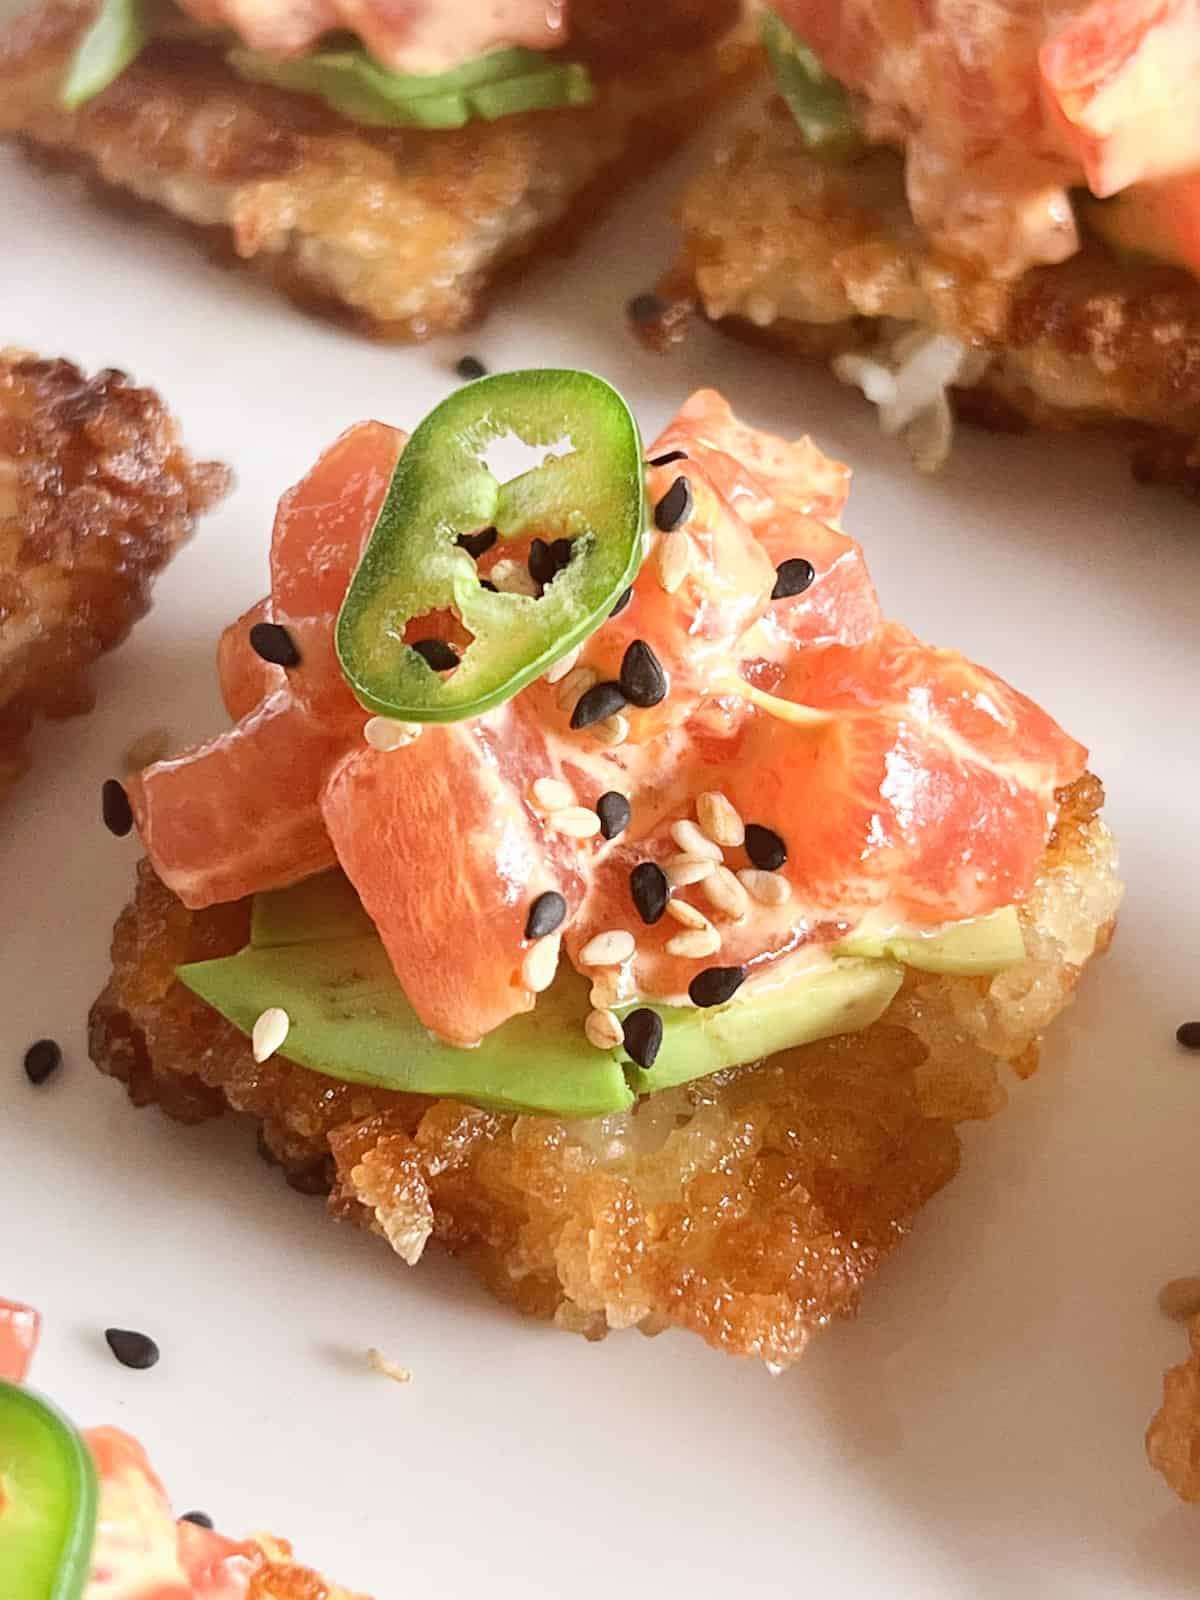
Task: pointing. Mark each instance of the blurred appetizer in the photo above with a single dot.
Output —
(387, 161)
(594, 881)
(991, 208)
(96, 494)
(83, 1516)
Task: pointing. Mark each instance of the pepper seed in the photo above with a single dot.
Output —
(643, 1035)
(792, 578)
(115, 808)
(650, 890)
(600, 701)
(545, 915)
(137, 1350)
(674, 507)
(273, 643)
(764, 847)
(42, 1059)
(614, 812)
(715, 985)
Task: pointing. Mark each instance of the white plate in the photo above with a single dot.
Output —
(978, 1431)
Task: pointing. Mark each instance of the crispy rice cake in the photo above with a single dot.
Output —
(402, 230)
(824, 258)
(749, 1207)
(96, 494)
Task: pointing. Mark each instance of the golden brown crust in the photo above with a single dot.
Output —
(402, 231)
(96, 493)
(750, 1207)
(1173, 1437)
(821, 258)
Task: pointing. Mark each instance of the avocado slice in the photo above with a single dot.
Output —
(973, 947)
(313, 951)
(501, 84)
(845, 997)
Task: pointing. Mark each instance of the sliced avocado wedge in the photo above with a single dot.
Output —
(972, 948)
(320, 908)
(843, 998)
(498, 85)
(350, 1019)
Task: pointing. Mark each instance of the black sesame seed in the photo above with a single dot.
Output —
(274, 643)
(437, 654)
(1188, 1035)
(764, 847)
(715, 985)
(115, 808)
(792, 577)
(477, 544)
(43, 1057)
(645, 307)
(541, 562)
(137, 1350)
(545, 914)
(671, 455)
(643, 1031)
(642, 679)
(601, 700)
(650, 890)
(469, 367)
(486, 583)
(200, 1518)
(622, 602)
(562, 550)
(674, 507)
(614, 813)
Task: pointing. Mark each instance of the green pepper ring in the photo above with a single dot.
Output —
(48, 1509)
(442, 490)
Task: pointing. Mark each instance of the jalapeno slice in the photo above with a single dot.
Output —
(47, 1501)
(442, 491)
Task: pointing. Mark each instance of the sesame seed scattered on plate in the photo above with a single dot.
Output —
(675, 507)
(764, 847)
(200, 1518)
(1188, 1035)
(271, 642)
(42, 1060)
(792, 577)
(115, 808)
(468, 368)
(132, 1349)
(643, 1031)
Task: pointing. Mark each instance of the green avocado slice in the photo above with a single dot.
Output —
(498, 85)
(815, 98)
(313, 952)
(972, 948)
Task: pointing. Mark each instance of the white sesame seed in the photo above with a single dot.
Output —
(551, 794)
(695, 944)
(610, 730)
(562, 666)
(719, 820)
(270, 1030)
(603, 993)
(604, 1030)
(512, 577)
(541, 963)
(725, 894)
(577, 822)
(691, 916)
(768, 888)
(693, 843)
(684, 869)
(576, 683)
(674, 560)
(385, 733)
(608, 949)
(390, 1369)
